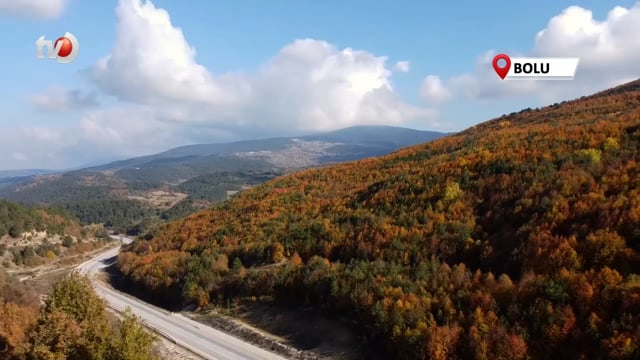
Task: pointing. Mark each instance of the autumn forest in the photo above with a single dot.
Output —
(518, 238)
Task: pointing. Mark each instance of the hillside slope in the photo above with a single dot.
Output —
(16, 219)
(32, 236)
(518, 238)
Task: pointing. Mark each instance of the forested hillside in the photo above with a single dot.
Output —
(16, 219)
(33, 236)
(518, 238)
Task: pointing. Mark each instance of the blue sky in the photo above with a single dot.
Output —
(250, 56)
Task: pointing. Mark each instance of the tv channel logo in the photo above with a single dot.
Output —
(64, 49)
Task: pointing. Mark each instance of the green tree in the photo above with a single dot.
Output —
(132, 342)
(73, 323)
(237, 264)
(67, 241)
(15, 230)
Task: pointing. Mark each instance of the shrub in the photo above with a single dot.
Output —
(67, 241)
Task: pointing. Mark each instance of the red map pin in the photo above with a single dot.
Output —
(502, 71)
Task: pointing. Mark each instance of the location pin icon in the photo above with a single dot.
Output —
(502, 71)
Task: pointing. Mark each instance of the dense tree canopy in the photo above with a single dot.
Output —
(18, 310)
(16, 219)
(96, 198)
(117, 214)
(518, 238)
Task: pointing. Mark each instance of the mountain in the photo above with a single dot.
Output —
(24, 172)
(14, 177)
(515, 239)
(345, 144)
(123, 194)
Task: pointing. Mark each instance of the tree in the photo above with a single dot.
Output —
(57, 336)
(67, 241)
(15, 231)
(15, 320)
(443, 341)
(277, 252)
(237, 264)
(452, 191)
(296, 260)
(132, 342)
(602, 247)
(73, 322)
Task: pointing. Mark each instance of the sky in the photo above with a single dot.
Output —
(152, 75)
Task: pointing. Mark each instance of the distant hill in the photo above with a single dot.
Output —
(518, 238)
(345, 144)
(24, 172)
(124, 193)
(14, 177)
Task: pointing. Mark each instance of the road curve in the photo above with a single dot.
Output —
(202, 340)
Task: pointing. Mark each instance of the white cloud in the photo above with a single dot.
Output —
(433, 90)
(151, 61)
(312, 85)
(609, 52)
(128, 131)
(308, 85)
(32, 146)
(113, 133)
(34, 8)
(60, 99)
(402, 66)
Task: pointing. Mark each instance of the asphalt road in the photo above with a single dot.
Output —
(202, 340)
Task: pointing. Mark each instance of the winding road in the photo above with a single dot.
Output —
(200, 339)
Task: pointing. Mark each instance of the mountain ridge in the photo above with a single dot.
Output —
(279, 143)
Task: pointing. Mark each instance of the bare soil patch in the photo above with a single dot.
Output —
(160, 199)
(296, 334)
